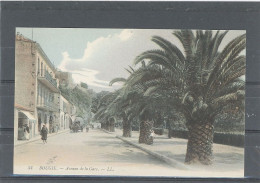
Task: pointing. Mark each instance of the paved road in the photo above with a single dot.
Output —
(92, 153)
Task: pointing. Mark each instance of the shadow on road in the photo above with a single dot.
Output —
(228, 158)
(177, 157)
(139, 158)
(103, 137)
(111, 144)
(164, 142)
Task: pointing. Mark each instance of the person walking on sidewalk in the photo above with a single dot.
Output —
(26, 132)
(44, 132)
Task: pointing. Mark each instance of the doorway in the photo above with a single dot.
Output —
(39, 122)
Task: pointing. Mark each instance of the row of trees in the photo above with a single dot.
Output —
(198, 83)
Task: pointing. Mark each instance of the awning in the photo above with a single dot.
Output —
(28, 115)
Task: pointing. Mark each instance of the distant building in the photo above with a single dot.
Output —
(66, 111)
(65, 78)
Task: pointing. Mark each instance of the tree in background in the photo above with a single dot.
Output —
(84, 85)
(81, 99)
(103, 115)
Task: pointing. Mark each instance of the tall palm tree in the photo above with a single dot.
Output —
(118, 108)
(142, 105)
(130, 104)
(200, 82)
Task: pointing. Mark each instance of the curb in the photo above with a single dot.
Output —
(167, 160)
(36, 139)
(107, 131)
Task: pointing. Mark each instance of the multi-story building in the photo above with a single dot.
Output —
(35, 88)
(66, 112)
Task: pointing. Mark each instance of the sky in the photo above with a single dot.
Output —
(96, 56)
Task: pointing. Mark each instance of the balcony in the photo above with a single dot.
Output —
(48, 81)
(49, 106)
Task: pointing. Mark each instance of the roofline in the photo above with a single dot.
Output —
(39, 48)
(66, 99)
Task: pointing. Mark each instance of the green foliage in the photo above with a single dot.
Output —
(81, 99)
(232, 121)
(96, 100)
(102, 111)
(84, 85)
(193, 86)
(201, 82)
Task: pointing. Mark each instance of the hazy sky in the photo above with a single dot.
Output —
(96, 56)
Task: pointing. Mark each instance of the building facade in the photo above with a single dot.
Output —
(66, 112)
(36, 86)
(47, 87)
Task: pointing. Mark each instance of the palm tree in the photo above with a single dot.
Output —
(143, 106)
(131, 105)
(118, 108)
(200, 82)
(103, 115)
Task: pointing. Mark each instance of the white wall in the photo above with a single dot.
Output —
(15, 124)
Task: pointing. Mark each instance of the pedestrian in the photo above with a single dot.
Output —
(26, 132)
(151, 137)
(152, 134)
(44, 132)
(56, 128)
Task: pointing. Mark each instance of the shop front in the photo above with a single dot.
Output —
(26, 125)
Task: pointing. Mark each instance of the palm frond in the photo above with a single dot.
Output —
(115, 80)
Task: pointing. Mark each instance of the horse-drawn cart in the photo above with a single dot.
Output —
(76, 127)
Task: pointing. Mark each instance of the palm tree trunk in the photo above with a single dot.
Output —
(102, 125)
(127, 128)
(169, 132)
(200, 143)
(107, 126)
(169, 127)
(145, 132)
(111, 126)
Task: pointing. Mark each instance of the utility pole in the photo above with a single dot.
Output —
(32, 34)
(32, 43)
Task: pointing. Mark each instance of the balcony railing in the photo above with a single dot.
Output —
(47, 79)
(48, 106)
(50, 79)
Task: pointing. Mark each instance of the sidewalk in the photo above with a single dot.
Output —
(227, 159)
(38, 137)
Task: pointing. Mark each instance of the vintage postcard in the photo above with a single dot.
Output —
(129, 102)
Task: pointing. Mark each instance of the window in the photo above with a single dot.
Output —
(43, 92)
(61, 105)
(45, 97)
(41, 69)
(38, 67)
(38, 94)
